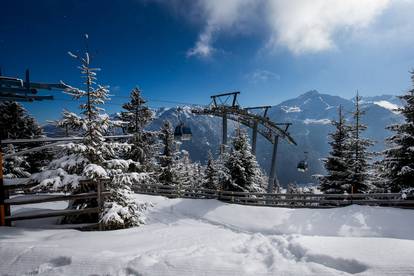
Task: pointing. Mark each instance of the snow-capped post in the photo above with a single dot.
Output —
(99, 198)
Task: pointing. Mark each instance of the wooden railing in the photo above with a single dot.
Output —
(23, 195)
(304, 200)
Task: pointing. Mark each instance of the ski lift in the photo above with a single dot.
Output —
(303, 164)
(182, 132)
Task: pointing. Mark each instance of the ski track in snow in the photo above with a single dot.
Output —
(205, 237)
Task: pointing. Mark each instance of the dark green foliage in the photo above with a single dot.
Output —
(336, 164)
(167, 174)
(398, 162)
(359, 163)
(16, 123)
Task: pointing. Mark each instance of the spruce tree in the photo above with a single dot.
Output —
(135, 117)
(167, 171)
(93, 158)
(360, 156)
(211, 177)
(398, 162)
(242, 166)
(15, 166)
(336, 164)
(16, 123)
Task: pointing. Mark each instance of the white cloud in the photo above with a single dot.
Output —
(260, 75)
(310, 26)
(301, 26)
(220, 15)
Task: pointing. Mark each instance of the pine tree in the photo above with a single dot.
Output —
(398, 162)
(137, 114)
(336, 164)
(16, 123)
(134, 119)
(359, 163)
(211, 177)
(167, 171)
(93, 158)
(242, 166)
(15, 166)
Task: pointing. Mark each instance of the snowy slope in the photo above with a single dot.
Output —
(208, 237)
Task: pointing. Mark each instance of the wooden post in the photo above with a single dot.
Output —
(4, 194)
(99, 199)
(2, 209)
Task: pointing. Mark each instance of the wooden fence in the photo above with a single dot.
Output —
(19, 193)
(304, 200)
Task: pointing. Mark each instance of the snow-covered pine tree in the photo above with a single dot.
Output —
(136, 115)
(16, 123)
(93, 158)
(243, 168)
(15, 166)
(336, 164)
(135, 118)
(211, 177)
(188, 174)
(360, 156)
(398, 162)
(167, 170)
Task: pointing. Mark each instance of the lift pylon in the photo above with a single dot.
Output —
(229, 109)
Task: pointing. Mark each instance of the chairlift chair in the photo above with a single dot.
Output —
(182, 132)
(303, 164)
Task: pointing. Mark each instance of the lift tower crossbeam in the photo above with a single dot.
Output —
(259, 123)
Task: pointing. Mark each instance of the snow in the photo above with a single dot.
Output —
(328, 106)
(290, 109)
(208, 237)
(317, 121)
(93, 170)
(387, 105)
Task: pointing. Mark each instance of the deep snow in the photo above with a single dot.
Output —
(208, 237)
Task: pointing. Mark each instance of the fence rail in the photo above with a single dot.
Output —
(278, 199)
(22, 195)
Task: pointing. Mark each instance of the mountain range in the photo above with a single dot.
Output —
(310, 114)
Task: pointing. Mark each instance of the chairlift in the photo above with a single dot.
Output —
(182, 132)
(303, 164)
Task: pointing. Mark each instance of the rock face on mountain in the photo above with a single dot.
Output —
(310, 114)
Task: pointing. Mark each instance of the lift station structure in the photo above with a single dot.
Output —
(226, 106)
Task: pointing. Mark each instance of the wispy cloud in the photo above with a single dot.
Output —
(261, 75)
(301, 26)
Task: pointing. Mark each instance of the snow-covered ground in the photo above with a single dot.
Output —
(208, 237)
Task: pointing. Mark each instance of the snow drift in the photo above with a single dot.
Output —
(208, 237)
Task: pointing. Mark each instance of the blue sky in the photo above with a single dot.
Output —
(187, 50)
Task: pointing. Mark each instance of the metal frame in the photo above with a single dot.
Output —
(258, 123)
(15, 89)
